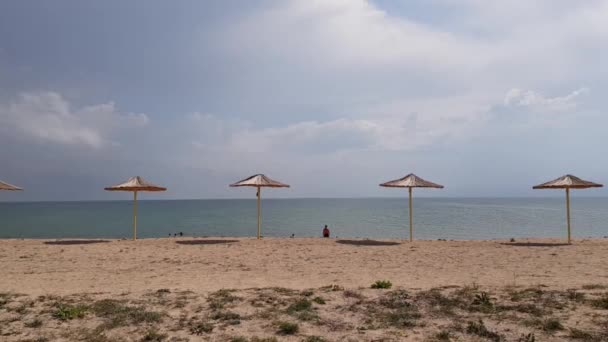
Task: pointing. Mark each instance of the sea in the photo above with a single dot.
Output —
(374, 218)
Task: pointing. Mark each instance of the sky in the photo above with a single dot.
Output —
(330, 96)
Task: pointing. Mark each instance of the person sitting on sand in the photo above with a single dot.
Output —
(325, 232)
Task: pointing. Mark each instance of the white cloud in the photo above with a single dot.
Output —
(422, 124)
(529, 98)
(490, 45)
(48, 117)
(347, 34)
(389, 133)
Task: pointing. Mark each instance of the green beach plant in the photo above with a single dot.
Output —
(219, 299)
(601, 302)
(482, 303)
(442, 335)
(302, 309)
(352, 294)
(299, 305)
(288, 328)
(395, 299)
(238, 339)
(482, 299)
(382, 284)
(552, 325)
(68, 312)
(319, 300)
(314, 339)
(402, 318)
(118, 314)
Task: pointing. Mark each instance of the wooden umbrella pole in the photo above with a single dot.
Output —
(568, 212)
(411, 220)
(134, 215)
(259, 214)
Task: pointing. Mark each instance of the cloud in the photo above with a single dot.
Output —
(428, 124)
(298, 87)
(483, 45)
(402, 133)
(348, 34)
(405, 125)
(49, 117)
(528, 98)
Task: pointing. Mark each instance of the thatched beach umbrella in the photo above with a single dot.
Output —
(568, 182)
(411, 181)
(135, 184)
(9, 187)
(259, 181)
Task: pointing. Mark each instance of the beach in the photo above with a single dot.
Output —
(114, 266)
(302, 289)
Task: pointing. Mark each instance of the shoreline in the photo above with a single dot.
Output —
(422, 196)
(550, 240)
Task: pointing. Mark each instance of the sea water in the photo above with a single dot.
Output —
(434, 218)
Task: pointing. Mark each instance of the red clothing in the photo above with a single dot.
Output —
(325, 232)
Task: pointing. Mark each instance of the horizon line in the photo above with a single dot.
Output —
(294, 198)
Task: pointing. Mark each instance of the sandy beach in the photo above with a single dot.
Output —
(302, 289)
(70, 266)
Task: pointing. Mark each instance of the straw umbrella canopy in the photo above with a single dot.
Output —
(135, 184)
(9, 187)
(259, 181)
(411, 181)
(568, 182)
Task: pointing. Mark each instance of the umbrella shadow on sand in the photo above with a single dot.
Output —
(204, 242)
(367, 243)
(535, 244)
(74, 242)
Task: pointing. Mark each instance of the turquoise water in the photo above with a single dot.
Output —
(434, 218)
